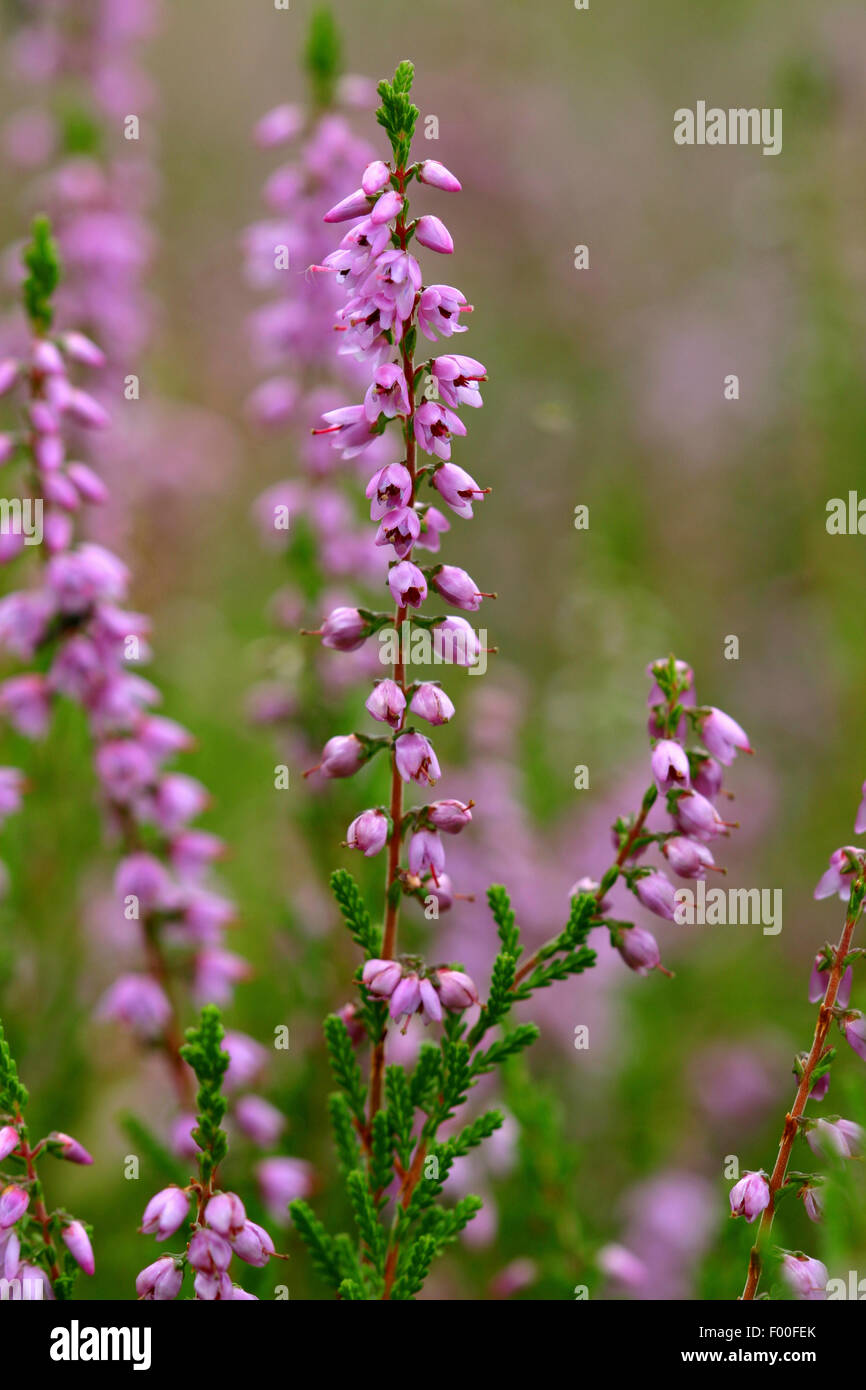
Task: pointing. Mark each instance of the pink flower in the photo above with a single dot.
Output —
(439, 310)
(698, 817)
(139, 1002)
(260, 1121)
(160, 1281)
(688, 858)
(375, 177)
(368, 832)
(387, 393)
(839, 877)
(381, 977)
(416, 761)
(842, 1137)
(670, 765)
(355, 205)
(407, 584)
(432, 172)
(639, 949)
(657, 893)
(432, 233)
(455, 640)
(253, 1244)
(807, 1277)
(449, 816)
(819, 979)
(9, 1141)
(77, 1242)
(457, 488)
(457, 587)
(341, 756)
(405, 997)
(165, 1213)
(723, 737)
(345, 630)
(434, 426)
(282, 1180)
(430, 702)
(750, 1196)
(855, 1034)
(457, 378)
(225, 1214)
(400, 528)
(209, 1252)
(426, 854)
(456, 989)
(13, 1204)
(387, 703)
(70, 1149)
(389, 490)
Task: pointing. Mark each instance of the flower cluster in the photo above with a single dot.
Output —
(756, 1194)
(691, 747)
(387, 305)
(220, 1227)
(32, 1238)
(79, 641)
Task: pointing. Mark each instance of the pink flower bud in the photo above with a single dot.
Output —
(841, 1137)
(707, 777)
(260, 1121)
(723, 737)
(456, 990)
(70, 1149)
(345, 630)
(342, 756)
(657, 892)
(430, 702)
(855, 1034)
(437, 176)
(368, 832)
(406, 997)
(381, 977)
(432, 233)
(83, 349)
(687, 858)
(225, 1214)
(807, 1277)
(77, 1242)
(819, 979)
(407, 584)
(356, 205)
(450, 816)
(426, 854)
(639, 949)
(458, 488)
(387, 703)
(165, 1213)
(375, 177)
(13, 1204)
(416, 760)
(670, 765)
(455, 640)
(160, 1281)
(457, 587)
(9, 1141)
(386, 208)
(750, 1196)
(253, 1244)
(209, 1253)
(698, 817)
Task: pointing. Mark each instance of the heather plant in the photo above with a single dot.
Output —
(400, 1130)
(41, 1250)
(78, 643)
(219, 1227)
(757, 1195)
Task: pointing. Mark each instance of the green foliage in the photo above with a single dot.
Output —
(397, 115)
(345, 1136)
(323, 56)
(204, 1053)
(401, 1110)
(354, 913)
(322, 1248)
(381, 1167)
(43, 266)
(524, 1035)
(503, 916)
(13, 1094)
(425, 1080)
(366, 1218)
(344, 1064)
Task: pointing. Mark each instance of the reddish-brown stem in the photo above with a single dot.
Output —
(39, 1209)
(789, 1132)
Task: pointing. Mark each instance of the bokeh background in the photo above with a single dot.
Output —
(707, 519)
